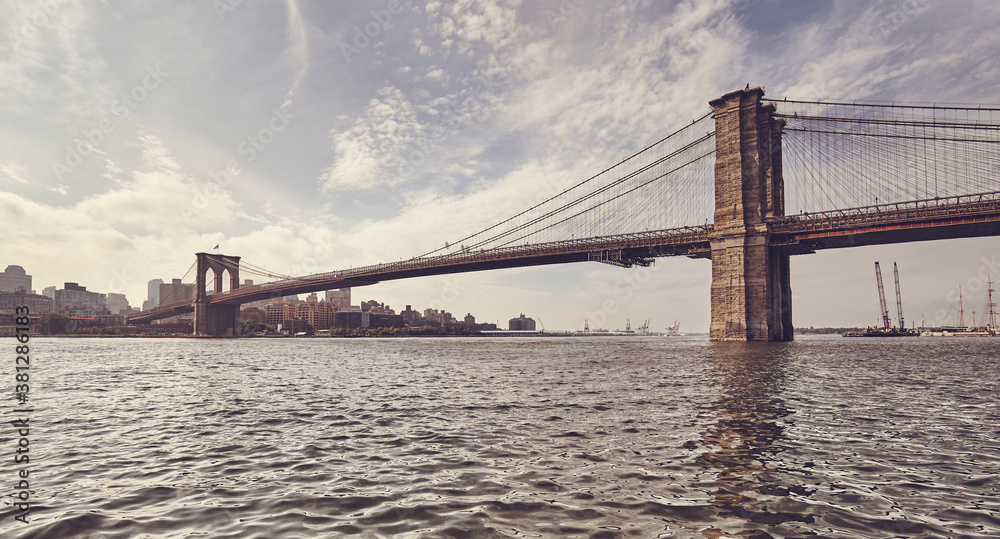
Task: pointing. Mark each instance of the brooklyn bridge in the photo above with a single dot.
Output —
(748, 185)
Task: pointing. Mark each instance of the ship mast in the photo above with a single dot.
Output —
(990, 306)
(881, 298)
(961, 309)
(899, 299)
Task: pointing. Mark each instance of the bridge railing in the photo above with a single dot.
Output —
(917, 210)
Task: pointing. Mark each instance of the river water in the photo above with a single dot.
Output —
(510, 437)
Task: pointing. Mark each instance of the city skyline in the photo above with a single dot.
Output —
(308, 138)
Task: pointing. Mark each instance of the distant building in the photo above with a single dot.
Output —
(14, 278)
(339, 299)
(312, 298)
(37, 304)
(521, 324)
(385, 321)
(276, 313)
(75, 300)
(175, 291)
(152, 293)
(469, 319)
(410, 316)
(107, 319)
(375, 307)
(49, 292)
(117, 303)
(438, 318)
(319, 315)
(352, 319)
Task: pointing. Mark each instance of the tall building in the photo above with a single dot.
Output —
(14, 278)
(340, 299)
(521, 324)
(117, 303)
(152, 294)
(49, 292)
(75, 300)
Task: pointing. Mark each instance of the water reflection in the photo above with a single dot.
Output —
(744, 441)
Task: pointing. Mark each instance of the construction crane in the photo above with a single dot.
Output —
(886, 323)
(644, 328)
(899, 299)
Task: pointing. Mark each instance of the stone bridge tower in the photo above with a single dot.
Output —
(217, 320)
(751, 292)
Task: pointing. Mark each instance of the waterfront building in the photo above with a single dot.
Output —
(75, 300)
(37, 304)
(383, 320)
(319, 315)
(352, 319)
(521, 324)
(276, 313)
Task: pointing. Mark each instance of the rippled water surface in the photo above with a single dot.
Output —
(517, 437)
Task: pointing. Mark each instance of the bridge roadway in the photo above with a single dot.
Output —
(931, 219)
(621, 250)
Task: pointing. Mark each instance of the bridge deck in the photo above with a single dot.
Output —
(939, 218)
(622, 250)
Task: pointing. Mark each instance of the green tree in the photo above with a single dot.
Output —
(53, 323)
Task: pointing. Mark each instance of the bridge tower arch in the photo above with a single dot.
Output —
(751, 291)
(217, 320)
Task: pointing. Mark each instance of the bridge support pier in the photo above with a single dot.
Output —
(216, 320)
(751, 290)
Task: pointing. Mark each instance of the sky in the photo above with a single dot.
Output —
(308, 136)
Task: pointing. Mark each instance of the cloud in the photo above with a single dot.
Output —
(370, 153)
(298, 48)
(13, 172)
